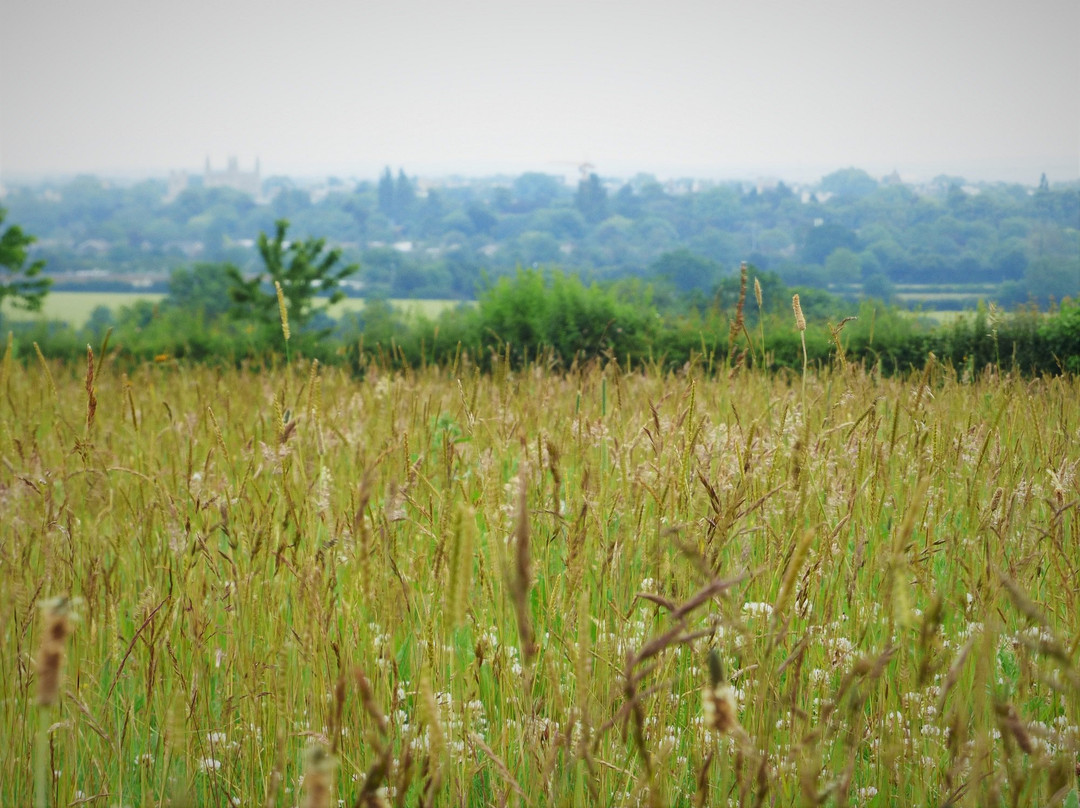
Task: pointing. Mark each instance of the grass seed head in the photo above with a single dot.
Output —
(800, 321)
(282, 310)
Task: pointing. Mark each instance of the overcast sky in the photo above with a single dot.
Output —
(741, 88)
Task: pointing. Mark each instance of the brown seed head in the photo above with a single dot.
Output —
(800, 321)
(720, 712)
(51, 653)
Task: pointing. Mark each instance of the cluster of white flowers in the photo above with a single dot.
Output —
(757, 609)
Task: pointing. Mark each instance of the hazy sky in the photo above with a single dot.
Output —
(795, 89)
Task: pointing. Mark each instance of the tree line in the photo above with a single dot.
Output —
(215, 313)
(849, 232)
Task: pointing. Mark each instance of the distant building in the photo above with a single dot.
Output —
(246, 182)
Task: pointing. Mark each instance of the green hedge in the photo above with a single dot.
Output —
(558, 318)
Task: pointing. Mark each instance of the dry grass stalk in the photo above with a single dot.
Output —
(898, 565)
(48, 373)
(313, 385)
(835, 331)
(91, 396)
(462, 543)
(791, 575)
(217, 434)
(738, 325)
(522, 581)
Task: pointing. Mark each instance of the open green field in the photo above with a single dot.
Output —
(76, 307)
(596, 588)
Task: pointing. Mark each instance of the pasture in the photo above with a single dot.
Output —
(75, 308)
(290, 586)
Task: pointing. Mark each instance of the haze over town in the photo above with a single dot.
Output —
(988, 91)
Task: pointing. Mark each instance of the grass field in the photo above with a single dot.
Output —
(294, 587)
(76, 307)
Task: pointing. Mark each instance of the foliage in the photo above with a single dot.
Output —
(203, 288)
(946, 231)
(534, 314)
(303, 269)
(20, 279)
(1061, 336)
(686, 271)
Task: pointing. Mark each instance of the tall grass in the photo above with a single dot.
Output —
(529, 588)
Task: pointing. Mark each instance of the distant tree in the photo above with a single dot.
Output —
(534, 190)
(592, 199)
(483, 220)
(849, 183)
(381, 268)
(101, 320)
(686, 271)
(289, 202)
(386, 194)
(303, 268)
(563, 223)
(878, 287)
(533, 247)
(822, 240)
(843, 266)
(626, 202)
(404, 196)
(203, 288)
(1049, 279)
(20, 280)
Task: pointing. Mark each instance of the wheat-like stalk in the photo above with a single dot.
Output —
(800, 323)
(283, 310)
(91, 395)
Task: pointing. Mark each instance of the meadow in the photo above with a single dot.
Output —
(75, 308)
(294, 585)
